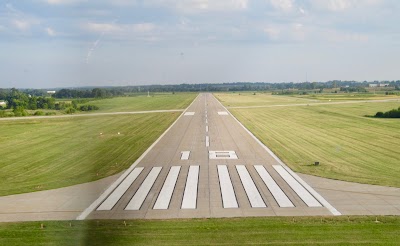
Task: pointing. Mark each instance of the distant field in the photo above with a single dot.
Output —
(348, 145)
(348, 96)
(41, 154)
(142, 102)
(236, 231)
(240, 99)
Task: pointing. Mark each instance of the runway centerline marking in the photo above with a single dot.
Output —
(252, 192)
(280, 197)
(297, 187)
(167, 190)
(116, 195)
(227, 192)
(141, 194)
(189, 200)
(185, 155)
(207, 141)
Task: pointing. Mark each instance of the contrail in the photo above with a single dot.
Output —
(96, 43)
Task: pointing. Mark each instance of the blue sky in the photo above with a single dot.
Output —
(69, 43)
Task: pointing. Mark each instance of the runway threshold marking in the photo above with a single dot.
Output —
(167, 190)
(252, 193)
(141, 194)
(297, 187)
(227, 192)
(189, 200)
(280, 197)
(111, 200)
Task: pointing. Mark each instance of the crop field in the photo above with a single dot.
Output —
(348, 145)
(243, 231)
(41, 154)
(142, 102)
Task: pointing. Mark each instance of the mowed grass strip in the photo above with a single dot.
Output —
(236, 231)
(348, 145)
(248, 99)
(161, 101)
(41, 154)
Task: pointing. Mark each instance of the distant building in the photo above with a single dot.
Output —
(51, 92)
(378, 85)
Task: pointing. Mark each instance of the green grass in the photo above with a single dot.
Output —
(142, 102)
(236, 231)
(41, 154)
(244, 99)
(348, 96)
(348, 145)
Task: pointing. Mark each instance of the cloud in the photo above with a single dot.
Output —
(63, 2)
(341, 5)
(284, 5)
(119, 28)
(50, 32)
(102, 27)
(201, 5)
(22, 25)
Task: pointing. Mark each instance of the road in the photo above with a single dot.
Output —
(207, 165)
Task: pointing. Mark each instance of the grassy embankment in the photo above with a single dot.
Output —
(243, 231)
(40, 154)
(348, 145)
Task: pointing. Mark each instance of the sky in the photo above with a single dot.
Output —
(72, 43)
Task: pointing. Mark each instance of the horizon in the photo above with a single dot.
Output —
(78, 43)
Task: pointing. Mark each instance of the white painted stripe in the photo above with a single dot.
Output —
(190, 194)
(114, 185)
(221, 155)
(165, 195)
(206, 121)
(185, 155)
(110, 202)
(322, 200)
(141, 194)
(227, 192)
(254, 196)
(297, 187)
(189, 113)
(280, 197)
(206, 128)
(223, 113)
(207, 141)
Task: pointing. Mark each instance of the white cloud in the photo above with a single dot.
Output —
(21, 25)
(62, 2)
(119, 28)
(272, 32)
(201, 5)
(50, 32)
(284, 5)
(341, 5)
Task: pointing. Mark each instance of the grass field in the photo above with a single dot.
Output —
(348, 145)
(142, 102)
(41, 154)
(247, 99)
(243, 231)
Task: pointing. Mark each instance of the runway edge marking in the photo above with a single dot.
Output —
(114, 185)
(317, 196)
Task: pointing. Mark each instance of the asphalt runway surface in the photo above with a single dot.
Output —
(207, 165)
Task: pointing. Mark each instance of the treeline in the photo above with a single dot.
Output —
(394, 113)
(19, 102)
(89, 93)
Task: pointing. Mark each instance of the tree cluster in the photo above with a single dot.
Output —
(394, 113)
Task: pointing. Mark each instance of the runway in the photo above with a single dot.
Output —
(207, 165)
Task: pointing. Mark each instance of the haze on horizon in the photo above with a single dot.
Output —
(70, 43)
